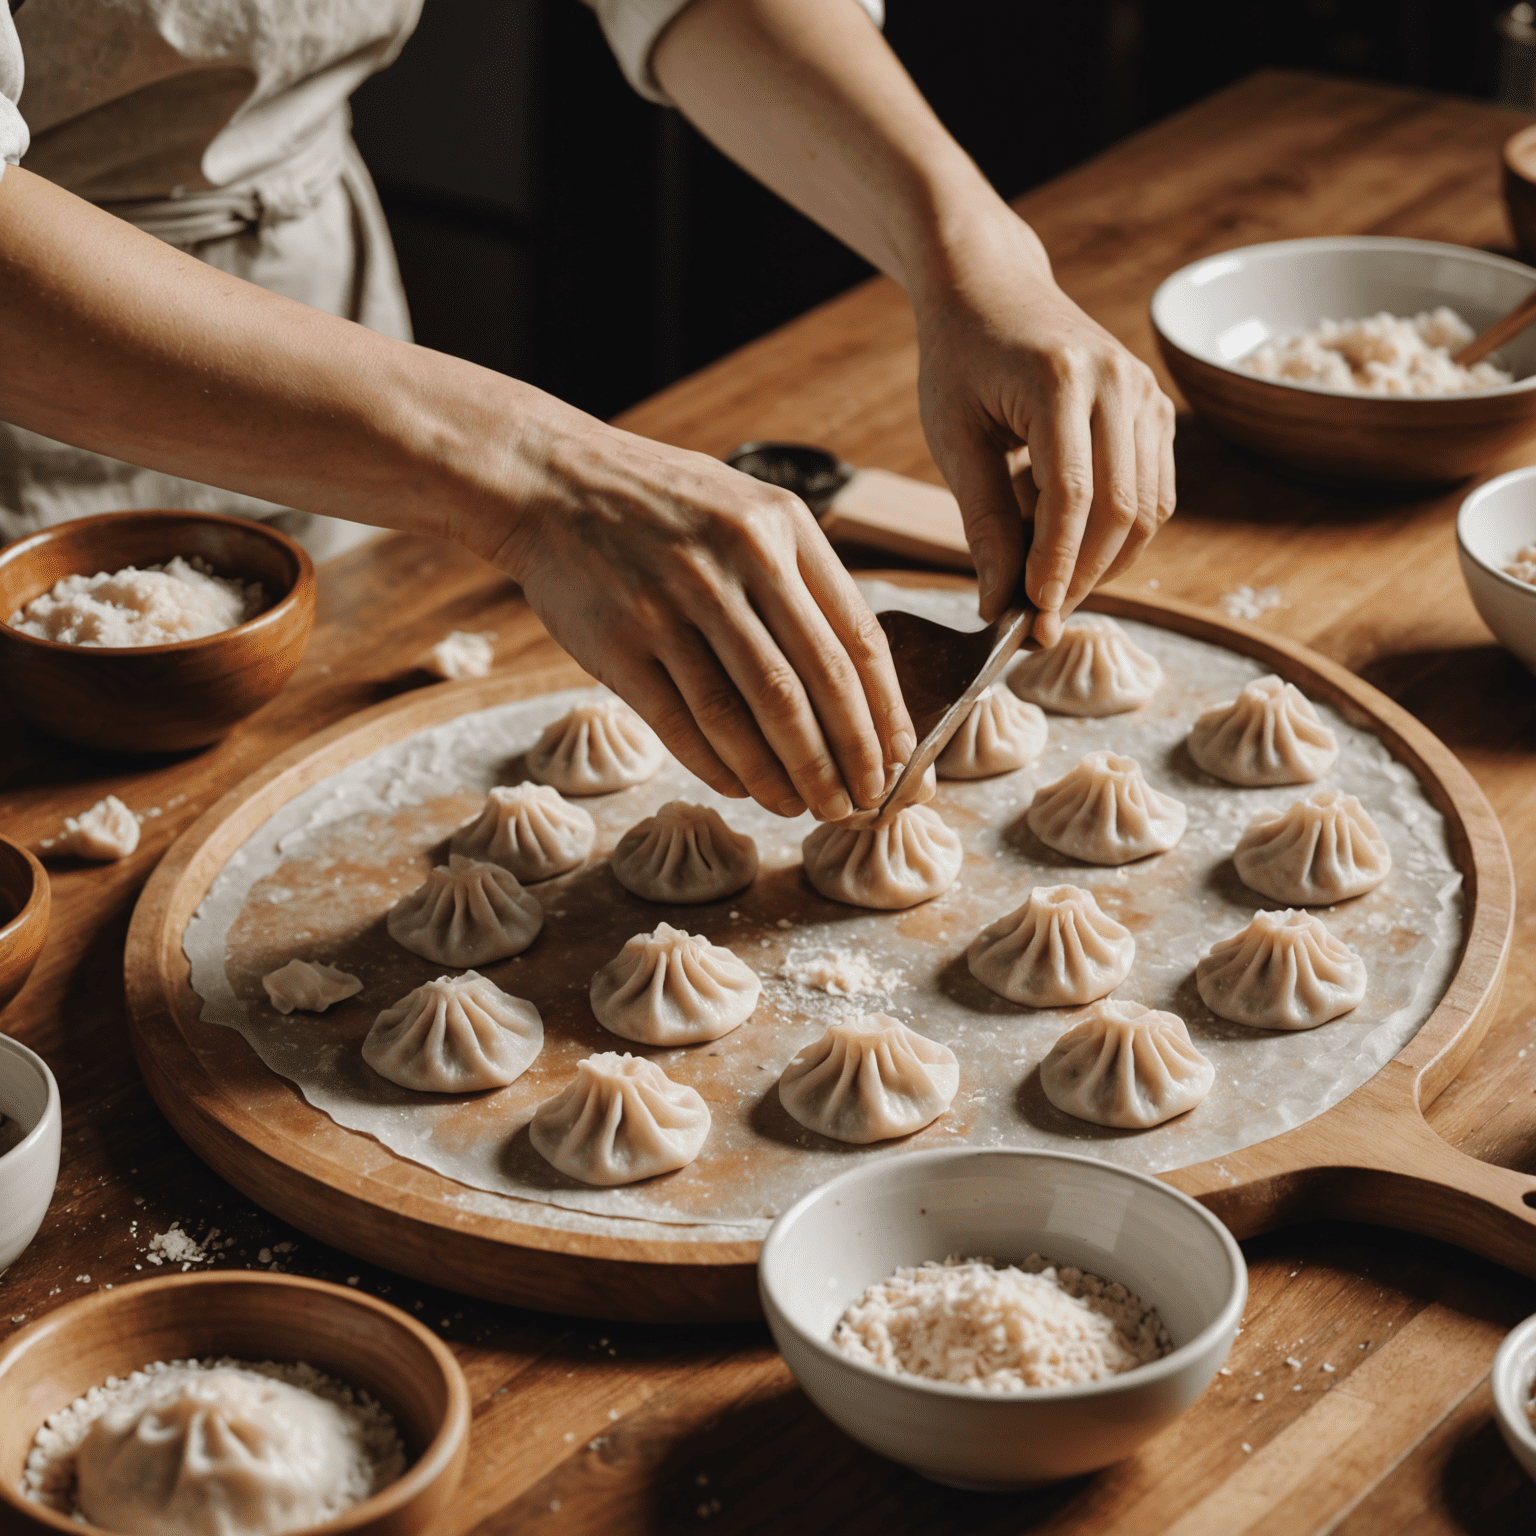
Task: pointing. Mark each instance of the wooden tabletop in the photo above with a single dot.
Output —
(1386, 1426)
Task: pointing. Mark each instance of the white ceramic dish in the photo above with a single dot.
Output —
(1496, 521)
(1212, 313)
(1514, 1370)
(30, 1170)
(863, 1225)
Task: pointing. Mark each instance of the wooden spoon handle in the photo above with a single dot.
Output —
(1504, 329)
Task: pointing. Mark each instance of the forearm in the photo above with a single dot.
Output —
(122, 344)
(807, 96)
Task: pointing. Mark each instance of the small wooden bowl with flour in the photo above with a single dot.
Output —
(117, 693)
(305, 1325)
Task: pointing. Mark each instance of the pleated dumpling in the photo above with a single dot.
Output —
(311, 988)
(911, 858)
(621, 1119)
(1126, 1066)
(596, 748)
(1001, 733)
(1058, 949)
(458, 1034)
(1283, 971)
(1318, 850)
(531, 830)
(466, 913)
(869, 1079)
(684, 853)
(1104, 812)
(673, 988)
(1268, 734)
(1094, 669)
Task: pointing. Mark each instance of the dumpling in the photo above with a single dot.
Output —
(108, 831)
(595, 749)
(684, 853)
(1283, 971)
(531, 830)
(1268, 734)
(466, 913)
(1104, 812)
(458, 1034)
(1094, 669)
(1126, 1066)
(1001, 733)
(462, 653)
(912, 858)
(1057, 949)
(673, 988)
(869, 1079)
(620, 1120)
(310, 987)
(1317, 851)
(228, 1451)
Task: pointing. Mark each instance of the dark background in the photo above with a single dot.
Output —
(554, 225)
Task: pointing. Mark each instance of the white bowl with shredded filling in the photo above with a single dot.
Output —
(1513, 1380)
(1331, 356)
(1495, 535)
(1011, 1370)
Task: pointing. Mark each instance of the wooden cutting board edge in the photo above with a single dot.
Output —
(1370, 1157)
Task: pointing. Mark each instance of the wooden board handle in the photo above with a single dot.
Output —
(1389, 1169)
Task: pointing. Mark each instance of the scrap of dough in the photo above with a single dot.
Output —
(311, 987)
(463, 653)
(109, 830)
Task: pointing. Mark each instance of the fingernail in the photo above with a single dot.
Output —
(794, 806)
(871, 787)
(1053, 594)
(986, 572)
(837, 807)
(903, 745)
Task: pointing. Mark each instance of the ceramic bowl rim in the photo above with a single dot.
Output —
(1468, 510)
(268, 618)
(1502, 1380)
(1363, 243)
(445, 1445)
(1228, 1316)
(53, 1110)
(40, 892)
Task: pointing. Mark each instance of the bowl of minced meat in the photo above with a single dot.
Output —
(894, 1296)
(151, 631)
(1332, 357)
(204, 1404)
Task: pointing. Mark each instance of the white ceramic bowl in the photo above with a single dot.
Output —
(1215, 311)
(29, 1171)
(1496, 521)
(1514, 1370)
(863, 1225)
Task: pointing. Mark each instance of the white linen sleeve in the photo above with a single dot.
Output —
(14, 137)
(633, 27)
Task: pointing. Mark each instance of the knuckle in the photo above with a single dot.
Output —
(777, 694)
(716, 708)
(866, 644)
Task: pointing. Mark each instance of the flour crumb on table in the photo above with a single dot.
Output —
(462, 653)
(108, 831)
(1245, 603)
(176, 1247)
(969, 1322)
(838, 972)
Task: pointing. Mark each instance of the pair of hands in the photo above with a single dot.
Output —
(713, 604)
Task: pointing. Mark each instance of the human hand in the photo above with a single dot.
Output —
(713, 604)
(1009, 361)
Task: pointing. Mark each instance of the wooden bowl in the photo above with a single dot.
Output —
(1214, 312)
(24, 904)
(252, 1316)
(1519, 158)
(154, 698)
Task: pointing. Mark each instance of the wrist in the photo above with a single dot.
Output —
(971, 244)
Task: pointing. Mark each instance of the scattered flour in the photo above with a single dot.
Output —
(363, 1433)
(109, 830)
(968, 1322)
(177, 1247)
(1383, 355)
(158, 605)
(463, 653)
(1522, 565)
(840, 972)
(1245, 603)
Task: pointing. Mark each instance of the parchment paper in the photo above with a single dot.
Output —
(317, 879)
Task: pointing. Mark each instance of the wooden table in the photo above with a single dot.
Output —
(584, 1427)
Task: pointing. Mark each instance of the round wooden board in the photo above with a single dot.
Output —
(1370, 1156)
